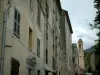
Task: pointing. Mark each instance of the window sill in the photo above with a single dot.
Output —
(38, 56)
(46, 37)
(46, 63)
(38, 25)
(30, 50)
(18, 36)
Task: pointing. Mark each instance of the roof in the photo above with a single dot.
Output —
(74, 44)
(59, 5)
(80, 41)
(68, 20)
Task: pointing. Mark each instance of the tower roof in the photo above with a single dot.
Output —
(80, 41)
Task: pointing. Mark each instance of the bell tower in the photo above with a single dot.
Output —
(81, 56)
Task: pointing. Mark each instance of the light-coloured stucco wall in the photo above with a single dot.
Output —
(68, 47)
(53, 24)
(63, 45)
(66, 42)
(19, 47)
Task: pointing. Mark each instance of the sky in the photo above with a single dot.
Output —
(81, 13)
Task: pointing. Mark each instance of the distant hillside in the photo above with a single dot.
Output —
(89, 50)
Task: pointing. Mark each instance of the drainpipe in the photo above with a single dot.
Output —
(3, 39)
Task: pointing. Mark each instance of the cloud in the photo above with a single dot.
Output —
(81, 13)
(86, 34)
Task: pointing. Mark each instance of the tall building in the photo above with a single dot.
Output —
(75, 58)
(81, 57)
(32, 37)
(33, 43)
(66, 44)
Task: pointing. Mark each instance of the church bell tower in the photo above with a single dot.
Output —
(81, 55)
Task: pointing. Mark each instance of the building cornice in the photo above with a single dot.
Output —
(59, 5)
(68, 20)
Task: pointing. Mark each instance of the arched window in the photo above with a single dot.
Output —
(79, 46)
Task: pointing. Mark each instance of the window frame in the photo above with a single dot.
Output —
(30, 4)
(73, 60)
(38, 72)
(39, 16)
(14, 61)
(80, 46)
(38, 47)
(17, 19)
(47, 10)
(30, 39)
(47, 31)
(46, 56)
(8, 2)
(30, 72)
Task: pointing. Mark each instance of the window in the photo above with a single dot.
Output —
(14, 67)
(73, 49)
(47, 31)
(47, 9)
(53, 63)
(46, 56)
(30, 39)
(30, 72)
(38, 16)
(38, 47)
(53, 40)
(59, 55)
(46, 72)
(73, 60)
(56, 15)
(38, 72)
(17, 23)
(59, 72)
(42, 3)
(9, 1)
(54, 74)
(80, 56)
(30, 4)
(79, 46)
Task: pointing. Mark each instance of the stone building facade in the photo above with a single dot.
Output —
(66, 44)
(75, 58)
(33, 38)
(81, 57)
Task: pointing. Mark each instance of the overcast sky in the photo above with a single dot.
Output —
(81, 13)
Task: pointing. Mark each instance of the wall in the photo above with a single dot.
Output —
(68, 47)
(1, 22)
(81, 57)
(92, 61)
(76, 58)
(17, 48)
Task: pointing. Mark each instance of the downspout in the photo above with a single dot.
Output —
(3, 38)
